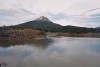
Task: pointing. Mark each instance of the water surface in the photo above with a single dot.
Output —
(53, 52)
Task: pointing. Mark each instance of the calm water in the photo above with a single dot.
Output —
(53, 52)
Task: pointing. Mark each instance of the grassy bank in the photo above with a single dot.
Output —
(94, 35)
(22, 34)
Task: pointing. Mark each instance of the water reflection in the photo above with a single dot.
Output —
(42, 43)
(62, 52)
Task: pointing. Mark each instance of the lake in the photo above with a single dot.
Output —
(52, 52)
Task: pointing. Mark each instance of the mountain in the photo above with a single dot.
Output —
(45, 24)
(43, 18)
(75, 29)
(41, 23)
(97, 29)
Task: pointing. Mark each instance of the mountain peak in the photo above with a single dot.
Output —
(43, 18)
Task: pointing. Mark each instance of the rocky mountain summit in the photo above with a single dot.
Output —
(42, 18)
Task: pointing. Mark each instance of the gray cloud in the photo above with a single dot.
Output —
(65, 12)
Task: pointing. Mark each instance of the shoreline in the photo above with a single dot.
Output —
(42, 38)
(33, 34)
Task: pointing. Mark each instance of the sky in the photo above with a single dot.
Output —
(85, 13)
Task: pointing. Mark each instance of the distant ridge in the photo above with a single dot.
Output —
(45, 24)
(98, 27)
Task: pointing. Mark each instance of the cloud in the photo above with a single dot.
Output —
(58, 16)
(90, 18)
(14, 16)
(65, 12)
(68, 7)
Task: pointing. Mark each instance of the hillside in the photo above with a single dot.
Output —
(41, 23)
(75, 29)
(97, 29)
(45, 24)
(10, 33)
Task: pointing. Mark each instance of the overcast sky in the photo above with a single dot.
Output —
(65, 12)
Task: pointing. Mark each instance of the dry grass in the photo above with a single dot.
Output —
(96, 35)
(24, 34)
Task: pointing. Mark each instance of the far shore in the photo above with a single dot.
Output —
(92, 35)
(28, 34)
